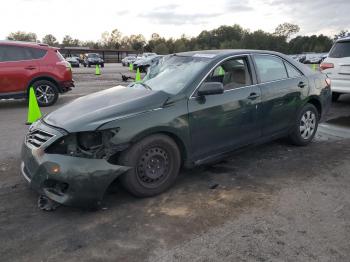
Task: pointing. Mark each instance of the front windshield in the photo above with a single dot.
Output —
(173, 73)
(93, 55)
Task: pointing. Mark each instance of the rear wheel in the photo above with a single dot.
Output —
(335, 96)
(305, 126)
(156, 163)
(102, 65)
(46, 92)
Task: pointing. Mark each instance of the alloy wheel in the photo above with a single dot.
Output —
(307, 125)
(45, 94)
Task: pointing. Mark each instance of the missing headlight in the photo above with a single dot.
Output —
(89, 140)
(92, 144)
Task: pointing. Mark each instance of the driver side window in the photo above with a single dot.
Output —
(232, 73)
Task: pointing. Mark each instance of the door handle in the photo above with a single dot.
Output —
(30, 68)
(253, 96)
(301, 84)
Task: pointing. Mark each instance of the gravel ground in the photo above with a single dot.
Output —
(274, 202)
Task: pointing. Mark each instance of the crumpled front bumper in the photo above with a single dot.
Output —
(68, 180)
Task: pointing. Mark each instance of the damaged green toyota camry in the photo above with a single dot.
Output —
(191, 108)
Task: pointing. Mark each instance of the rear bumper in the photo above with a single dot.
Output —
(66, 86)
(341, 86)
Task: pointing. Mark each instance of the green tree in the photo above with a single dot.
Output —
(286, 30)
(111, 40)
(137, 42)
(22, 36)
(50, 40)
(91, 44)
(341, 34)
(68, 41)
(161, 49)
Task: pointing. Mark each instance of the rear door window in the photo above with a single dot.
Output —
(292, 71)
(37, 53)
(270, 68)
(340, 49)
(17, 53)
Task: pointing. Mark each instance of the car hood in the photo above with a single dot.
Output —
(89, 112)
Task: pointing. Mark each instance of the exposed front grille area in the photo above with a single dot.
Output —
(36, 138)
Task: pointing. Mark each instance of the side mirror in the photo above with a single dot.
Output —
(210, 88)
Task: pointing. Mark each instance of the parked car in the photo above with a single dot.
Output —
(192, 108)
(145, 63)
(337, 67)
(24, 65)
(301, 58)
(314, 58)
(93, 59)
(142, 58)
(128, 59)
(74, 62)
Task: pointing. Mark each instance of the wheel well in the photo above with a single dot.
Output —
(317, 104)
(179, 144)
(47, 78)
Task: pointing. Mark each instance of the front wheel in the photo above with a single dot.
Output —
(46, 93)
(156, 162)
(305, 126)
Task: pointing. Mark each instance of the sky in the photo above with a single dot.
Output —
(88, 19)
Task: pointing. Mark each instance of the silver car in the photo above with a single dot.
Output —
(337, 67)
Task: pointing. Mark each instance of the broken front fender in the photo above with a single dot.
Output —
(68, 180)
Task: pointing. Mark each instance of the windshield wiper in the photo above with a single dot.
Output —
(144, 85)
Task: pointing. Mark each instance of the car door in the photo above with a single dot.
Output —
(16, 68)
(283, 88)
(224, 121)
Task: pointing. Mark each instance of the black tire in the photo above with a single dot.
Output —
(102, 65)
(156, 162)
(46, 92)
(88, 65)
(335, 96)
(302, 132)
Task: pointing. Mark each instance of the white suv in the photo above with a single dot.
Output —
(337, 67)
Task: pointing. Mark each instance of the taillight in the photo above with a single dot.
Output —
(325, 66)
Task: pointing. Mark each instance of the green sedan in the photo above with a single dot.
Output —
(191, 108)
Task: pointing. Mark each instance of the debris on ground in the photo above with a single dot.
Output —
(46, 204)
(125, 78)
(213, 186)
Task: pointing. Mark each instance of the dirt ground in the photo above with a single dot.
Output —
(274, 202)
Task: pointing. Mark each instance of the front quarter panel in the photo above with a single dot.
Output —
(171, 119)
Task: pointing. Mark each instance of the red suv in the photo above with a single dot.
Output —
(23, 65)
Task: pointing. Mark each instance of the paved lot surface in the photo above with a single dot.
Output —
(274, 202)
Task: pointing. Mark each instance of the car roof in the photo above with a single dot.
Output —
(345, 39)
(26, 44)
(217, 55)
(225, 52)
